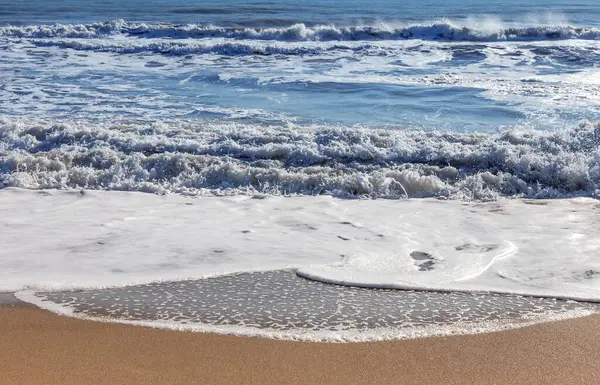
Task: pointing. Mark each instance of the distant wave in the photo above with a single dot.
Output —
(440, 30)
(204, 157)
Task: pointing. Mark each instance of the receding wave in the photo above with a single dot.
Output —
(212, 158)
(440, 30)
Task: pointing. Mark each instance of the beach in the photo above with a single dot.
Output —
(251, 192)
(39, 347)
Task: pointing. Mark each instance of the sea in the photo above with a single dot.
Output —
(436, 145)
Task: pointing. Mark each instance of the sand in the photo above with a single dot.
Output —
(39, 347)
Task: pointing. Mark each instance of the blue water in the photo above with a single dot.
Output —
(453, 82)
(262, 67)
(285, 12)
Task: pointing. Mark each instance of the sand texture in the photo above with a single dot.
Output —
(38, 347)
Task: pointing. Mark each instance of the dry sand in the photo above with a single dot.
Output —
(38, 347)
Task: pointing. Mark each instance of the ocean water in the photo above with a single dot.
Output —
(454, 65)
(223, 108)
(458, 99)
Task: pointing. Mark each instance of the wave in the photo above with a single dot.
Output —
(212, 158)
(440, 30)
(180, 48)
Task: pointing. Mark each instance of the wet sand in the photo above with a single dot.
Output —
(8, 299)
(38, 347)
(280, 303)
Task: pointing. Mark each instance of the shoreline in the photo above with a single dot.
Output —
(40, 347)
(366, 315)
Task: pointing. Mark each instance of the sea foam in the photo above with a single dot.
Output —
(57, 240)
(221, 158)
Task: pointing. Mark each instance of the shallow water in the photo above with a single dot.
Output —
(8, 299)
(281, 301)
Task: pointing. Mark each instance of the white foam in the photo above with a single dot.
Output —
(213, 158)
(542, 248)
(63, 240)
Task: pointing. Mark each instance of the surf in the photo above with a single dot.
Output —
(444, 30)
(208, 157)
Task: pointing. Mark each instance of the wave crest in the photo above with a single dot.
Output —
(439, 30)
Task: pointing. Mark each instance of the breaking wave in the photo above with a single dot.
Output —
(212, 158)
(439, 30)
(184, 48)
